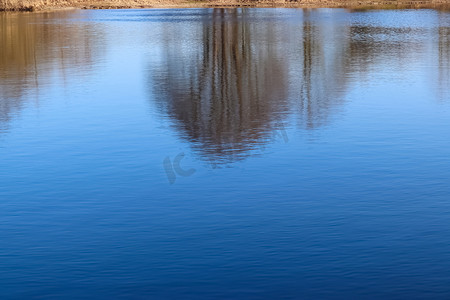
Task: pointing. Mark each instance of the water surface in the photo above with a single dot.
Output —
(225, 153)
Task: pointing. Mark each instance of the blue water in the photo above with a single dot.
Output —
(225, 154)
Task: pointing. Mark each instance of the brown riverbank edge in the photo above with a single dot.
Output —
(33, 5)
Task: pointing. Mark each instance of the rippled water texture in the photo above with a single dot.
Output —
(225, 153)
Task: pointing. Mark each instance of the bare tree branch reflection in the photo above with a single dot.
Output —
(444, 55)
(225, 81)
(229, 90)
(33, 48)
(321, 71)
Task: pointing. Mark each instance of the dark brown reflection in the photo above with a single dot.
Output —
(373, 46)
(37, 48)
(320, 70)
(225, 87)
(444, 56)
(227, 81)
(392, 50)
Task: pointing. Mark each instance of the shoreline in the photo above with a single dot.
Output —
(49, 5)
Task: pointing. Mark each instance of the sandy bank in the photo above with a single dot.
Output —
(31, 5)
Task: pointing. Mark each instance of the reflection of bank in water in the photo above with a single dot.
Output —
(319, 69)
(229, 97)
(444, 56)
(335, 54)
(226, 81)
(34, 49)
(226, 88)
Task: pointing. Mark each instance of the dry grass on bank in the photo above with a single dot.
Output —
(31, 5)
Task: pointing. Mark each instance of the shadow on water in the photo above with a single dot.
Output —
(318, 68)
(227, 81)
(229, 87)
(230, 79)
(36, 49)
(226, 89)
(443, 56)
